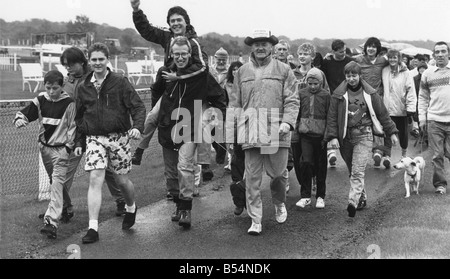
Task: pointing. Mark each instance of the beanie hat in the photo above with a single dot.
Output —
(178, 10)
(315, 73)
(221, 54)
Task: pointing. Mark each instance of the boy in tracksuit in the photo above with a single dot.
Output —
(55, 110)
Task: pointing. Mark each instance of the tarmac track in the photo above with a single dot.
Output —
(217, 234)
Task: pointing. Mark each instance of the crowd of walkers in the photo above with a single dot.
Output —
(271, 113)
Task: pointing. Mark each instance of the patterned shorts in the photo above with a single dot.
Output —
(111, 152)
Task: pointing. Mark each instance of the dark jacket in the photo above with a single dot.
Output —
(108, 111)
(312, 118)
(338, 111)
(164, 37)
(180, 98)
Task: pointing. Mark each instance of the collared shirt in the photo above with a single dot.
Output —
(98, 86)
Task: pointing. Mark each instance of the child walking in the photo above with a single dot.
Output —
(311, 123)
(356, 114)
(55, 110)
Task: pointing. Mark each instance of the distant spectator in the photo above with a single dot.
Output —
(281, 51)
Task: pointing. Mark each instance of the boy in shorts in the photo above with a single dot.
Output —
(106, 104)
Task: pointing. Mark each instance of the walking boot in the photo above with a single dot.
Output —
(185, 219)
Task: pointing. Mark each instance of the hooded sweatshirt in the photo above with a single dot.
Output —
(313, 107)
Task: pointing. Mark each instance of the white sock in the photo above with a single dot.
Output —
(93, 224)
(131, 209)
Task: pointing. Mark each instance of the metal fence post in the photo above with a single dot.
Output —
(44, 182)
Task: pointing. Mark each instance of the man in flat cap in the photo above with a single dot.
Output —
(265, 104)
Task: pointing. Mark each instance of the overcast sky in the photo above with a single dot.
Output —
(385, 19)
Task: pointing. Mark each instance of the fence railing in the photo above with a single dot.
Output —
(8, 62)
(21, 169)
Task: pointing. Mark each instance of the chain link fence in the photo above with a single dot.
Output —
(21, 169)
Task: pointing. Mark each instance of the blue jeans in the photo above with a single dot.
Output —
(439, 140)
(356, 151)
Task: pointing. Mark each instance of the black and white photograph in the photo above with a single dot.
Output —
(225, 135)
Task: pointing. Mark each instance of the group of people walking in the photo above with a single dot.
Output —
(267, 114)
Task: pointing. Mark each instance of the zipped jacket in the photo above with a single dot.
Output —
(109, 110)
(270, 89)
(382, 123)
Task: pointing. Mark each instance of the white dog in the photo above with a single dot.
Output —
(413, 173)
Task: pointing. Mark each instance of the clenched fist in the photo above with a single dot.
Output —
(135, 4)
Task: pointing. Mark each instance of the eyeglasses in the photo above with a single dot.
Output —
(182, 54)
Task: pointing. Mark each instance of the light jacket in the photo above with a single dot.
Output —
(399, 92)
(382, 123)
(270, 90)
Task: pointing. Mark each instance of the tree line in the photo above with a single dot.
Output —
(19, 31)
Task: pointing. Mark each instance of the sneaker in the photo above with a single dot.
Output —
(303, 202)
(351, 210)
(137, 157)
(387, 162)
(332, 160)
(280, 213)
(120, 211)
(90, 237)
(238, 210)
(320, 203)
(185, 219)
(129, 220)
(176, 215)
(377, 160)
(196, 191)
(255, 229)
(441, 190)
(361, 204)
(49, 230)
